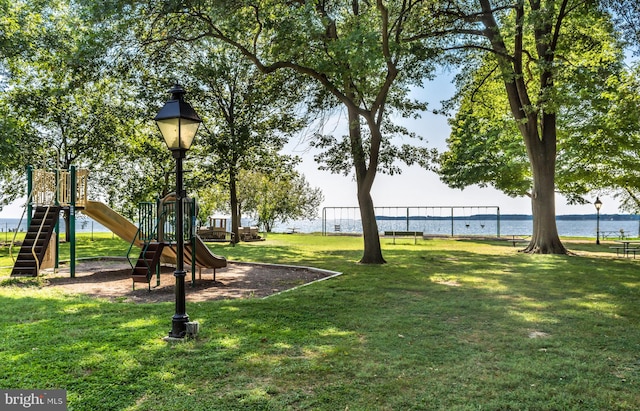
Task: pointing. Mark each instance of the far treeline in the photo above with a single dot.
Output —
(518, 217)
(547, 99)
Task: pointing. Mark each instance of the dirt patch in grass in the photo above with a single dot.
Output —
(111, 279)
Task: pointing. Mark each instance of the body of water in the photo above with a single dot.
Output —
(475, 225)
(83, 225)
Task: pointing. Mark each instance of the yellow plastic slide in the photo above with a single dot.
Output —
(126, 230)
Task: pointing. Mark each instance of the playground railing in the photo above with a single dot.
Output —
(51, 201)
(58, 186)
(146, 232)
(35, 242)
(167, 224)
(15, 234)
(161, 229)
(65, 187)
(45, 185)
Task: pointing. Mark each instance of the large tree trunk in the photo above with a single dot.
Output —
(364, 179)
(235, 211)
(542, 156)
(372, 250)
(540, 138)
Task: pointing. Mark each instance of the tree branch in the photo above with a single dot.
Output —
(392, 70)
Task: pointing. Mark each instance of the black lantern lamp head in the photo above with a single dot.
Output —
(178, 122)
(598, 203)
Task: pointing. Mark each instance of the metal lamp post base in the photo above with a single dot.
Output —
(180, 318)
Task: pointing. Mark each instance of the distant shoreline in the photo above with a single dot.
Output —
(520, 217)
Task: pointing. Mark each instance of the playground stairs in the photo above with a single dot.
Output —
(147, 262)
(36, 241)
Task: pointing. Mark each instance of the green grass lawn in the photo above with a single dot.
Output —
(445, 325)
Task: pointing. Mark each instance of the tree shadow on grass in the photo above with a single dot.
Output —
(433, 328)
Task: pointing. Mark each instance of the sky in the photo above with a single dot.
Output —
(419, 187)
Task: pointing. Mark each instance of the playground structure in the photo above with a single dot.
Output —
(49, 193)
(428, 221)
(216, 231)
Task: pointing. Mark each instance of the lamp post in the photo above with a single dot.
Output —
(598, 205)
(178, 124)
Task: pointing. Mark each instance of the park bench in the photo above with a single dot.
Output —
(400, 234)
(516, 239)
(613, 234)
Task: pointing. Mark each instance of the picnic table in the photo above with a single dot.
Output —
(517, 239)
(627, 247)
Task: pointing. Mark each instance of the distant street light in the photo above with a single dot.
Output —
(598, 205)
(178, 123)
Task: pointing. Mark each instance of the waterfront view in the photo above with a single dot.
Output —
(484, 227)
(611, 226)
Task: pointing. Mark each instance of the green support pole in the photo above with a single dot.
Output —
(57, 232)
(159, 232)
(57, 227)
(72, 224)
(29, 190)
(193, 241)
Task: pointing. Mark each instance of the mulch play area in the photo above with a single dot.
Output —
(111, 278)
